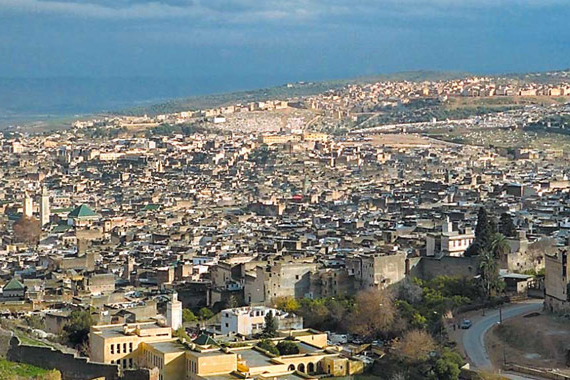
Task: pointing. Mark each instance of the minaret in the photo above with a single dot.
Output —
(174, 312)
(44, 207)
(129, 267)
(447, 226)
(28, 210)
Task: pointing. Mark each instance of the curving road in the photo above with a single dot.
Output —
(474, 338)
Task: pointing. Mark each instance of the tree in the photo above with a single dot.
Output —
(447, 367)
(314, 312)
(288, 304)
(489, 270)
(401, 375)
(181, 333)
(270, 326)
(499, 245)
(414, 346)
(493, 229)
(445, 370)
(27, 230)
(409, 291)
(268, 346)
(506, 225)
(287, 347)
(473, 249)
(484, 230)
(374, 313)
(482, 227)
(76, 331)
(205, 313)
(188, 316)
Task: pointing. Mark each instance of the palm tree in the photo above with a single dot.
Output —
(489, 270)
(499, 245)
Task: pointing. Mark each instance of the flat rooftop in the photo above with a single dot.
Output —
(227, 376)
(307, 348)
(113, 331)
(215, 352)
(168, 347)
(253, 358)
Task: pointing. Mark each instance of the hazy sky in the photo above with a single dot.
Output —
(280, 40)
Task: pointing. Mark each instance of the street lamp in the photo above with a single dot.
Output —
(500, 313)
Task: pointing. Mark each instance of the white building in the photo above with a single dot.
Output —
(219, 119)
(174, 312)
(448, 242)
(250, 320)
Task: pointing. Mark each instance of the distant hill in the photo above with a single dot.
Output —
(291, 90)
(53, 103)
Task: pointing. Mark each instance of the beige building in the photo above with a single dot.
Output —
(149, 345)
(102, 283)
(279, 139)
(556, 297)
(376, 271)
(315, 136)
(119, 343)
(287, 279)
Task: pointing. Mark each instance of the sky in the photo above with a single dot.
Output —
(277, 41)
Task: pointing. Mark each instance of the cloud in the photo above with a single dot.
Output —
(235, 11)
(247, 11)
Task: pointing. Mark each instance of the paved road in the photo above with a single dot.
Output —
(474, 338)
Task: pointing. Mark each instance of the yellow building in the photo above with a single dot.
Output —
(315, 136)
(279, 139)
(178, 360)
(149, 345)
(119, 343)
(210, 362)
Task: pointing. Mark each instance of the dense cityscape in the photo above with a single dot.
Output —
(351, 233)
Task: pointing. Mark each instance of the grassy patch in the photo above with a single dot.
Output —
(27, 340)
(13, 370)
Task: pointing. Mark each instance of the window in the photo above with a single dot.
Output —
(124, 348)
(130, 362)
(227, 324)
(119, 348)
(112, 349)
(296, 277)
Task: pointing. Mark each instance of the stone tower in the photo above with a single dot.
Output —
(44, 207)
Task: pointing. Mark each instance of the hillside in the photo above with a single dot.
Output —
(291, 90)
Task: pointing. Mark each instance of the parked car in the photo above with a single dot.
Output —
(465, 324)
